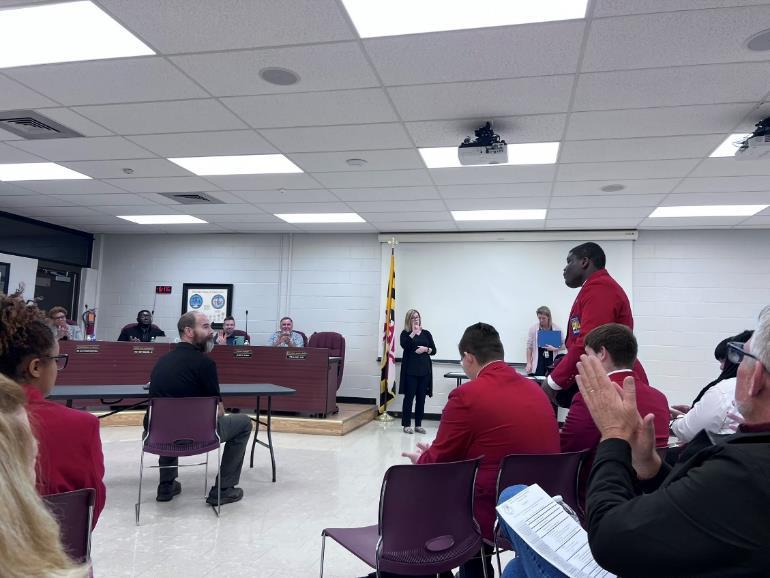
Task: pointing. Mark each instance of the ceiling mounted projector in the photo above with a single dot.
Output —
(757, 146)
(486, 149)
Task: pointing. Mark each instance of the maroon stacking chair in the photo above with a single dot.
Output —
(557, 474)
(304, 338)
(74, 511)
(426, 523)
(335, 343)
(178, 427)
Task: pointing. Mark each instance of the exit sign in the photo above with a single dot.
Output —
(163, 289)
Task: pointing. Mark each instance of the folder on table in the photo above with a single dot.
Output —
(549, 338)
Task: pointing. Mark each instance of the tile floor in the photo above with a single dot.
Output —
(275, 531)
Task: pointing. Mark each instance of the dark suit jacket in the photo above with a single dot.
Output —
(409, 346)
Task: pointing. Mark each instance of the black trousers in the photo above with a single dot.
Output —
(416, 386)
(234, 430)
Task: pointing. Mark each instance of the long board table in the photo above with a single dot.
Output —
(311, 372)
(114, 393)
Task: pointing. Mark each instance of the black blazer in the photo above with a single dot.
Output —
(409, 347)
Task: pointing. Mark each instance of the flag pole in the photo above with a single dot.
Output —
(388, 364)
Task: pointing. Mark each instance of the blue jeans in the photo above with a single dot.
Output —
(528, 563)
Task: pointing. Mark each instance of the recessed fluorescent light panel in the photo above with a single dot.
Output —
(237, 165)
(393, 17)
(320, 217)
(730, 145)
(532, 153)
(65, 32)
(500, 215)
(38, 172)
(708, 211)
(162, 219)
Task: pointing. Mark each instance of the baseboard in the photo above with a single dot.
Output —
(428, 416)
(358, 400)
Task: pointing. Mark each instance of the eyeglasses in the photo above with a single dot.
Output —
(59, 317)
(61, 360)
(736, 353)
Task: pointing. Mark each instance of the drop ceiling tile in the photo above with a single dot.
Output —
(319, 67)
(723, 184)
(256, 228)
(74, 187)
(337, 228)
(510, 190)
(497, 203)
(254, 216)
(161, 117)
(109, 81)
(15, 96)
(339, 138)
(730, 167)
(388, 206)
(233, 210)
(716, 84)
(734, 198)
(6, 136)
(601, 213)
(513, 129)
(484, 99)
(75, 121)
(264, 182)
(9, 154)
(375, 160)
(639, 149)
(624, 7)
(175, 26)
(417, 226)
(670, 121)
(626, 170)
(587, 224)
(162, 184)
(115, 169)
(146, 209)
(201, 144)
(14, 189)
(690, 222)
(81, 220)
(223, 196)
(632, 187)
(94, 200)
(83, 149)
(493, 174)
(387, 194)
(505, 52)
(407, 216)
(333, 207)
(43, 210)
(657, 40)
(759, 221)
(620, 199)
(313, 108)
(287, 196)
(10, 202)
(351, 180)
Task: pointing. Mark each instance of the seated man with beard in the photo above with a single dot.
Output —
(187, 372)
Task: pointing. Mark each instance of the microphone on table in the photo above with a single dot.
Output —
(247, 322)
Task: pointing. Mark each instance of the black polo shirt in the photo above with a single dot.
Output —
(142, 333)
(185, 372)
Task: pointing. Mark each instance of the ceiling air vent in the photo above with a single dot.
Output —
(192, 198)
(32, 125)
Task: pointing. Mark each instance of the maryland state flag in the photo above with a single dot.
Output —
(388, 367)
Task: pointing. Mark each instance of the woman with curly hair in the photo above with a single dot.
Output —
(29, 535)
(69, 448)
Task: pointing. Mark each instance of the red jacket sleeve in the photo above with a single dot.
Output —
(97, 461)
(452, 440)
(594, 311)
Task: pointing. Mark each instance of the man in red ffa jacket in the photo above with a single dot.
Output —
(498, 412)
(615, 346)
(600, 300)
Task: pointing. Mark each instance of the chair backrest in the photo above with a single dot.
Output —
(426, 522)
(181, 426)
(304, 338)
(241, 333)
(557, 474)
(75, 512)
(335, 343)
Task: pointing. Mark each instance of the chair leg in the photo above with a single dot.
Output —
(139, 498)
(484, 562)
(323, 548)
(495, 529)
(219, 480)
(206, 477)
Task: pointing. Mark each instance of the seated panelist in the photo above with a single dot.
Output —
(143, 330)
(226, 335)
(64, 331)
(286, 337)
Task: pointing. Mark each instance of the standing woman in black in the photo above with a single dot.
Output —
(416, 370)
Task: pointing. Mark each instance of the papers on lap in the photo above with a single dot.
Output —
(551, 532)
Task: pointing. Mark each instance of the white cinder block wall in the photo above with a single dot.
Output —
(691, 289)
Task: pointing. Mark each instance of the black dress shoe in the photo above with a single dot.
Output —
(167, 491)
(228, 496)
